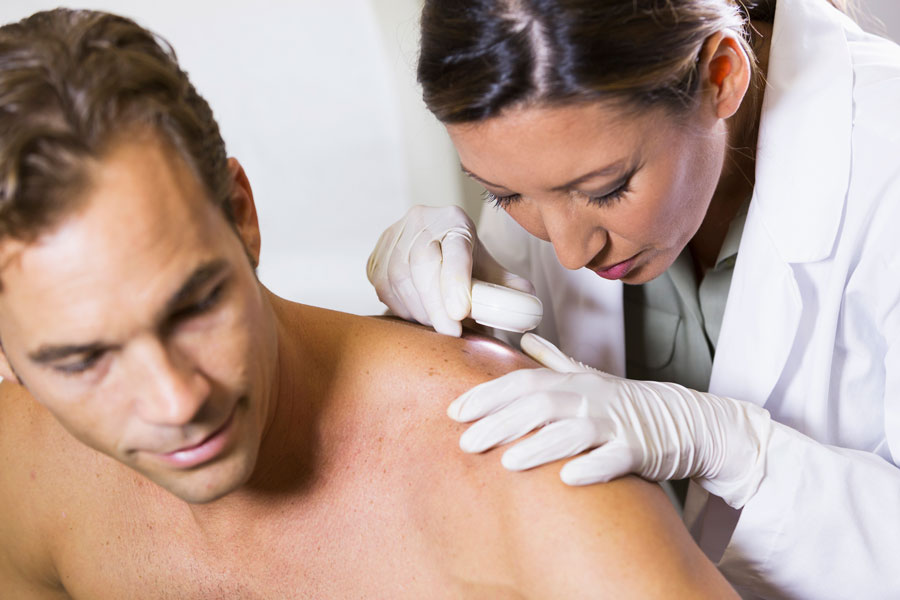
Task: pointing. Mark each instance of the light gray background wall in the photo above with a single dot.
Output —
(881, 17)
(318, 100)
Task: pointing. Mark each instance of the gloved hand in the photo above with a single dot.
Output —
(422, 267)
(657, 430)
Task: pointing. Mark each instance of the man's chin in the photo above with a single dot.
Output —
(206, 484)
(204, 496)
(221, 474)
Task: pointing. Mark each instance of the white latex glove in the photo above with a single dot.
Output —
(657, 430)
(422, 267)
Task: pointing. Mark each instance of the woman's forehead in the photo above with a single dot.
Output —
(558, 143)
(600, 122)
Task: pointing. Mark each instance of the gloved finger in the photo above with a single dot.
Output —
(376, 265)
(408, 296)
(609, 461)
(377, 272)
(425, 270)
(561, 439)
(456, 272)
(402, 286)
(511, 280)
(491, 396)
(488, 269)
(518, 418)
(549, 355)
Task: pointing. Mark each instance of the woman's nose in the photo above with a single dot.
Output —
(171, 390)
(575, 236)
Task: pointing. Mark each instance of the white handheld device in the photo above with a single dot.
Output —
(505, 308)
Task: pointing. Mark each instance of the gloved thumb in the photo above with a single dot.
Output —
(549, 355)
(487, 268)
(609, 461)
(456, 270)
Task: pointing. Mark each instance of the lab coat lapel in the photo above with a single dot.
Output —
(760, 321)
(803, 151)
(802, 177)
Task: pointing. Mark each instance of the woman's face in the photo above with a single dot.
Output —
(619, 193)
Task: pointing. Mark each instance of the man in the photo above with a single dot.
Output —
(187, 434)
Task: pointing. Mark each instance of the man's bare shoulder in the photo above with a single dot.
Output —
(384, 345)
(54, 492)
(548, 539)
(27, 437)
(38, 453)
(33, 452)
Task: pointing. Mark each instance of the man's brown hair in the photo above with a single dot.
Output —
(70, 82)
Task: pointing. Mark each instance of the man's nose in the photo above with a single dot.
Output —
(575, 236)
(171, 389)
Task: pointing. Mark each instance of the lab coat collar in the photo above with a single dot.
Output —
(803, 149)
(802, 177)
(732, 240)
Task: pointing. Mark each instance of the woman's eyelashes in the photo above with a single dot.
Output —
(611, 197)
(499, 201)
(599, 200)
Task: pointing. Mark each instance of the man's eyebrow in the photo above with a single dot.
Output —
(611, 169)
(200, 276)
(47, 354)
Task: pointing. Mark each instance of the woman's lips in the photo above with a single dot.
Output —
(618, 270)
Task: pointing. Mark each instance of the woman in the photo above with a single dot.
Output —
(698, 151)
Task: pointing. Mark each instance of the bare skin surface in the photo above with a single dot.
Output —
(339, 474)
(370, 498)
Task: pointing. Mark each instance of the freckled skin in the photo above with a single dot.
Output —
(388, 494)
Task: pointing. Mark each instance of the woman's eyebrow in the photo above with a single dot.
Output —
(479, 179)
(615, 168)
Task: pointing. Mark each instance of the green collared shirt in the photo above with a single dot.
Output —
(672, 324)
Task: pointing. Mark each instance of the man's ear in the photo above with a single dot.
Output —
(724, 72)
(243, 210)
(6, 370)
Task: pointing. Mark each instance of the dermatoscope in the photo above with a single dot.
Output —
(504, 308)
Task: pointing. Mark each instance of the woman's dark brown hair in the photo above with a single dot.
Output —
(479, 57)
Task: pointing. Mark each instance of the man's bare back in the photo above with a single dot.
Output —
(371, 498)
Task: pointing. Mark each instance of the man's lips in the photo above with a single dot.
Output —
(204, 450)
(203, 441)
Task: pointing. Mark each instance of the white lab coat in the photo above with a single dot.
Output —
(812, 324)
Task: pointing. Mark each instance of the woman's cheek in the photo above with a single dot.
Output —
(529, 219)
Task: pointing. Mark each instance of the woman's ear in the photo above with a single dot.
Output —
(725, 72)
(243, 210)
